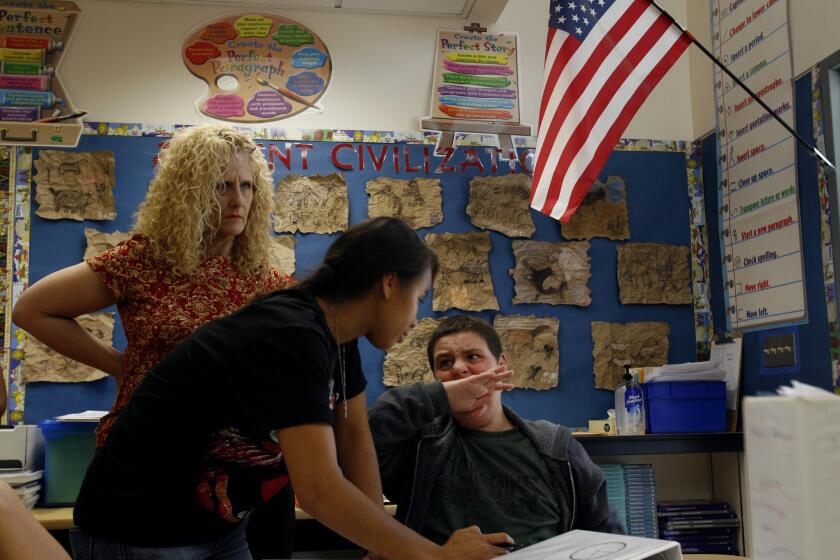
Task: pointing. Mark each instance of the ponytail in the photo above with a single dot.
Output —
(365, 253)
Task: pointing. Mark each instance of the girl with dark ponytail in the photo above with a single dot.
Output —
(365, 253)
(283, 398)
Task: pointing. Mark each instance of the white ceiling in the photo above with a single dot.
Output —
(485, 11)
(447, 8)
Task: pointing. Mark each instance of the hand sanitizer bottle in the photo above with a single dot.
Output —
(630, 406)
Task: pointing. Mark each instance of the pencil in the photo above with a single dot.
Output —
(60, 118)
(290, 94)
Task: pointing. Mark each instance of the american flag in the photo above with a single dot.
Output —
(602, 59)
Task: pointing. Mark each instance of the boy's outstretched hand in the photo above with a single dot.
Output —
(464, 393)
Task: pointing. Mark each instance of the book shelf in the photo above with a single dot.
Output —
(657, 444)
(702, 466)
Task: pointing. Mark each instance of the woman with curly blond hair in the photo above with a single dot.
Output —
(199, 250)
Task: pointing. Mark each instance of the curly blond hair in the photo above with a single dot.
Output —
(178, 214)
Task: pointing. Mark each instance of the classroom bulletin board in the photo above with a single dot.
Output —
(657, 176)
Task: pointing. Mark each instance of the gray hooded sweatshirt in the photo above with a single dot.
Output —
(413, 431)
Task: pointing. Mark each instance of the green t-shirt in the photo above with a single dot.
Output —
(498, 481)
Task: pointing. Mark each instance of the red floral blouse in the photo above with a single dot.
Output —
(159, 308)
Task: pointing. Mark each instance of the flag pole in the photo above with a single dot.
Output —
(821, 159)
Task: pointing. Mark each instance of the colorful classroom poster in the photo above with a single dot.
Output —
(476, 77)
(258, 67)
(759, 202)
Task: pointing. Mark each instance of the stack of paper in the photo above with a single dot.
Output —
(728, 357)
(86, 416)
(26, 484)
(793, 457)
(692, 371)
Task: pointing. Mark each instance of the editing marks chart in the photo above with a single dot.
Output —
(758, 192)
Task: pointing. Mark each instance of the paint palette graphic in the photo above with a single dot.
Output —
(258, 67)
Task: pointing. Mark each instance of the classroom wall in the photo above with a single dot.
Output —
(813, 36)
(382, 81)
(700, 68)
(124, 65)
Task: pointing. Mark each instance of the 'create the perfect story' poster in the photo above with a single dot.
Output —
(476, 77)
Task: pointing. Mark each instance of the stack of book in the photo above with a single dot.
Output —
(700, 527)
(26, 484)
(631, 490)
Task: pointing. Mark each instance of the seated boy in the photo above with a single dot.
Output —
(450, 460)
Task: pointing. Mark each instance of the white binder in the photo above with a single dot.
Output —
(587, 545)
(793, 461)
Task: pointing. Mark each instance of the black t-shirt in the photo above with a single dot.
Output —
(193, 451)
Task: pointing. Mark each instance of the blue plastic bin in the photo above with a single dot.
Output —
(69, 449)
(686, 407)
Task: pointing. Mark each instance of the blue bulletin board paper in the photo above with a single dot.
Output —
(658, 209)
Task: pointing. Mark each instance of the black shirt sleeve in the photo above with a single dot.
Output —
(292, 377)
(284, 379)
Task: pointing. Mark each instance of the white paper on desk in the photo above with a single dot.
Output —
(86, 416)
(713, 374)
(728, 358)
(17, 478)
(799, 389)
(688, 367)
(586, 545)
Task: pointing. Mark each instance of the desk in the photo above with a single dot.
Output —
(61, 519)
(713, 557)
(54, 519)
(58, 519)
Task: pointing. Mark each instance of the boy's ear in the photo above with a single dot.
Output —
(503, 359)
